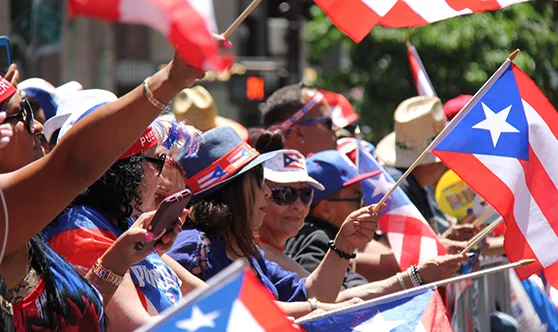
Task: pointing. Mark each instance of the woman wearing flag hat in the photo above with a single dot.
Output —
(227, 179)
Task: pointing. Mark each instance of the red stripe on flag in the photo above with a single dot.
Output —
(551, 275)
(353, 17)
(531, 93)
(257, 299)
(474, 5)
(108, 10)
(401, 15)
(415, 67)
(500, 196)
(435, 317)
(541, 188)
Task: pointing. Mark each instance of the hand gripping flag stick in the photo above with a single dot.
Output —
(413, 291)
(450, 125)
(481, 235)
(241, 18)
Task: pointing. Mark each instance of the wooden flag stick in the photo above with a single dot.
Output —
(476, 98)
(413, 291)
(241, 18)
(357, 163)
(481, 235)
(484, 216)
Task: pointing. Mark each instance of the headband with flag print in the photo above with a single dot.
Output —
(6, 89)
(146, 141)
(222, 169)
(287, 124)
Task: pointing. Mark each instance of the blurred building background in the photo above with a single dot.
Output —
(268, 48)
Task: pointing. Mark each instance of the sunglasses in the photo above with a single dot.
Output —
(327, 120)
(359, 200)
(25, 115)
(159, 163)
(287, 196)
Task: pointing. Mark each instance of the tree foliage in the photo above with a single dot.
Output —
(459, 54)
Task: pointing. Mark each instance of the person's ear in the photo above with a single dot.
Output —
(321, 210)
(299, 134)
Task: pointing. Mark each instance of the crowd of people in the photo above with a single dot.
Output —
(82, 176)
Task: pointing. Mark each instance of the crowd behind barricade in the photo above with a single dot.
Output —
(82, 172)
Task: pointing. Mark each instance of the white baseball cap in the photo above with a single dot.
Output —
(289, 166)
(46, 94)
(73, 107)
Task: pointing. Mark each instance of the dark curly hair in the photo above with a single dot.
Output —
(267, 141)
(228, 213)
(117, 192)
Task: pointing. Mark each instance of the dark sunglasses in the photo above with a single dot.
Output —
(287, 196)
(158, 162)
(24, 115)
(359, 200)
(326, 120)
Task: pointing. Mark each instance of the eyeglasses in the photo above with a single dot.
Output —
(287, 196)
(25, 115)
(359, 200)
(327, 120)
(158, 162)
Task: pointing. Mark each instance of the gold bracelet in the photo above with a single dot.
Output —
(313, 304)
(149, 95)
(105, 274)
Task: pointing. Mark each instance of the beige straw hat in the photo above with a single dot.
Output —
(418, 121)
(197, 107)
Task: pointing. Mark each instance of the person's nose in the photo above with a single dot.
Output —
(38, 127)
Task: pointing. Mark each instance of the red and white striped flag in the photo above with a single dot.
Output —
(356, 18)
(504, 145)
(422, 81)
(185, 23)
(342, 112)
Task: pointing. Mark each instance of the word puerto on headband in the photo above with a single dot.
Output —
(146, 141)
(287, 124)
(222, 168)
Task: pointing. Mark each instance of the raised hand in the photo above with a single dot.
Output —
(6, 131)
(358, 229)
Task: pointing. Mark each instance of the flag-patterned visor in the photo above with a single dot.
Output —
(222, 169)
(287, 124)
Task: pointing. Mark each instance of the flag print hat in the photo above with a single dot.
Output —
(289, 166)
(222, 157)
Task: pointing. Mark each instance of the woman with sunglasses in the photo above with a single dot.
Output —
(31, 269)
(106, 209)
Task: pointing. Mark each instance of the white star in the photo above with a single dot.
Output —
(496, 123)
(198, 320)
(378, 324)
(381, 185)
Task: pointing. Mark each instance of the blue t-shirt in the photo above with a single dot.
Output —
(205, 256)
(81, 235)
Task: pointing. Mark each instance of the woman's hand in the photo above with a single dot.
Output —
(358, 229)
(12, 75)
(5, 131)
(462, 232)
(168, 238)
(441, 267)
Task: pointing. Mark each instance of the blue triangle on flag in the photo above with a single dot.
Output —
(507, 137)
(218, 173)
(245, 153)
(287, 160)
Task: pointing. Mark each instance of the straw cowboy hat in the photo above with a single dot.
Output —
(196, 105)
(418, 121)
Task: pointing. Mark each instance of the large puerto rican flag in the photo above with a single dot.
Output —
(504, 145)
(422, 81)
(412, 239)
(405, 311)
(185, 23)
(356, 18)
(234, 301)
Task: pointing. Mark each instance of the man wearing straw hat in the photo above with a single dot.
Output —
(418, 121)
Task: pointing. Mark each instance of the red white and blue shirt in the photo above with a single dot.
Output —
(81, 235)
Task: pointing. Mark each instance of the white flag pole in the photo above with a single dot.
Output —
(451, 125)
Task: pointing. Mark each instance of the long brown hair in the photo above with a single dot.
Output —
(228, 213)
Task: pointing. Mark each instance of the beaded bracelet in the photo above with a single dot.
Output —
(105, 274)
(414, 276)
(340, 252)
(417, 275)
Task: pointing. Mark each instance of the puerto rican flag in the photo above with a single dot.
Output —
(422, 81)
(293, 161)
(504, 145)
(404, 311)
(185, 23)
(342, 112)
(238, 159)
(214, 175)
(356, 18)
(412, 239)
(234, 301)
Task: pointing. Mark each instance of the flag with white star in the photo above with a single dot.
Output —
(411, 311)
(234, 301)
(504, 145)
